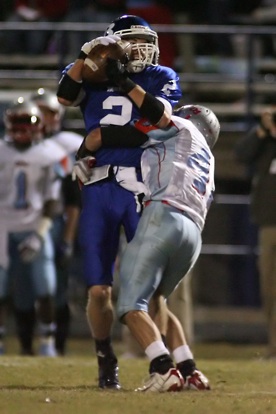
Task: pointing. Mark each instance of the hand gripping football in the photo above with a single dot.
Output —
(95, 64)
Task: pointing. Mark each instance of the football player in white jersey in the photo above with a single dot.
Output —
(178, 171)
(179, 174)
(29, 193)
(65, 225)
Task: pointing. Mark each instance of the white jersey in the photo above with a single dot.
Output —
(27, 180)
(68, 140)
(180, 171)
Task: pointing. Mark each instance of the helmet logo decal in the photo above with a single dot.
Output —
(195, 110)
(110, 30)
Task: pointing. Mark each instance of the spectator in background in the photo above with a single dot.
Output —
(89, 11)
(28, 41)
(265, 12)
(156, 12)
(5, 10)
(265, 15)
(258, 150)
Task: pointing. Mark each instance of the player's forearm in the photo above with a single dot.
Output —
(45, 223)
(150, 107)
(75, 71)
(71, 224)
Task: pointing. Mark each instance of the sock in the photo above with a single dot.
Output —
(182, 353)
(62, 329)
(47, 333)
(161, 364)
(25, 325)
(104, 351)
(156, 349)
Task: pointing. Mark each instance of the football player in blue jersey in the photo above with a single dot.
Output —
(108, 204)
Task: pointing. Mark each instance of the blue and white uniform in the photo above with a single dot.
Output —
(179, 174)
(106, 205)
(27, 181)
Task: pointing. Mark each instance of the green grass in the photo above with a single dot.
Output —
(242, 383)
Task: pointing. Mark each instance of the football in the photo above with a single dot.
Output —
(94, 65)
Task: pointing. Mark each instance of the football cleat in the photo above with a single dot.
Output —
(109, 377)
(47, 349)
(196, 381)
(171, 381)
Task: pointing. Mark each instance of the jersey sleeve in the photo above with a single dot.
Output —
(166, 85)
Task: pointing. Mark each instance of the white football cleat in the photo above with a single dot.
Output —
(47, 348)
(171, 381)
(196, 381)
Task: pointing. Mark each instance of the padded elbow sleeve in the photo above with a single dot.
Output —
(68, 88)
(152, 108)
(122, 136)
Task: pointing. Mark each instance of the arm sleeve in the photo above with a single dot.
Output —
(71, 192)
(114, 136)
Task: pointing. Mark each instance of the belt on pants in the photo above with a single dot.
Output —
(148, 202)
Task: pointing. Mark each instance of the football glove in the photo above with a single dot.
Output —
(30, 247)
(82, 169)
(102, 40)
(139, 202)
(117, 73)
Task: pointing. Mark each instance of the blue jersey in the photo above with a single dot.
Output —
(106, 205)
(107, 105)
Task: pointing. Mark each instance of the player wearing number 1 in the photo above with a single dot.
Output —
(106, 203)
(28, 197)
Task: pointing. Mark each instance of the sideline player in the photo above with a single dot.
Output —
(65, 225)
(106, 204)
(28, 206)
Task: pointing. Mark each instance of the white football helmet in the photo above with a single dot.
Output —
(50, 107)
(134, 27)
(204, 119)
(24, 124)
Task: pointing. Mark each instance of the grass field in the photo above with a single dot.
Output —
(242, 383)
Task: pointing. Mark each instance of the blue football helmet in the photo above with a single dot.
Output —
(134, 27)
(204, 119)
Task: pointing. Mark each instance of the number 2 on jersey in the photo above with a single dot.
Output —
(117, 119)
